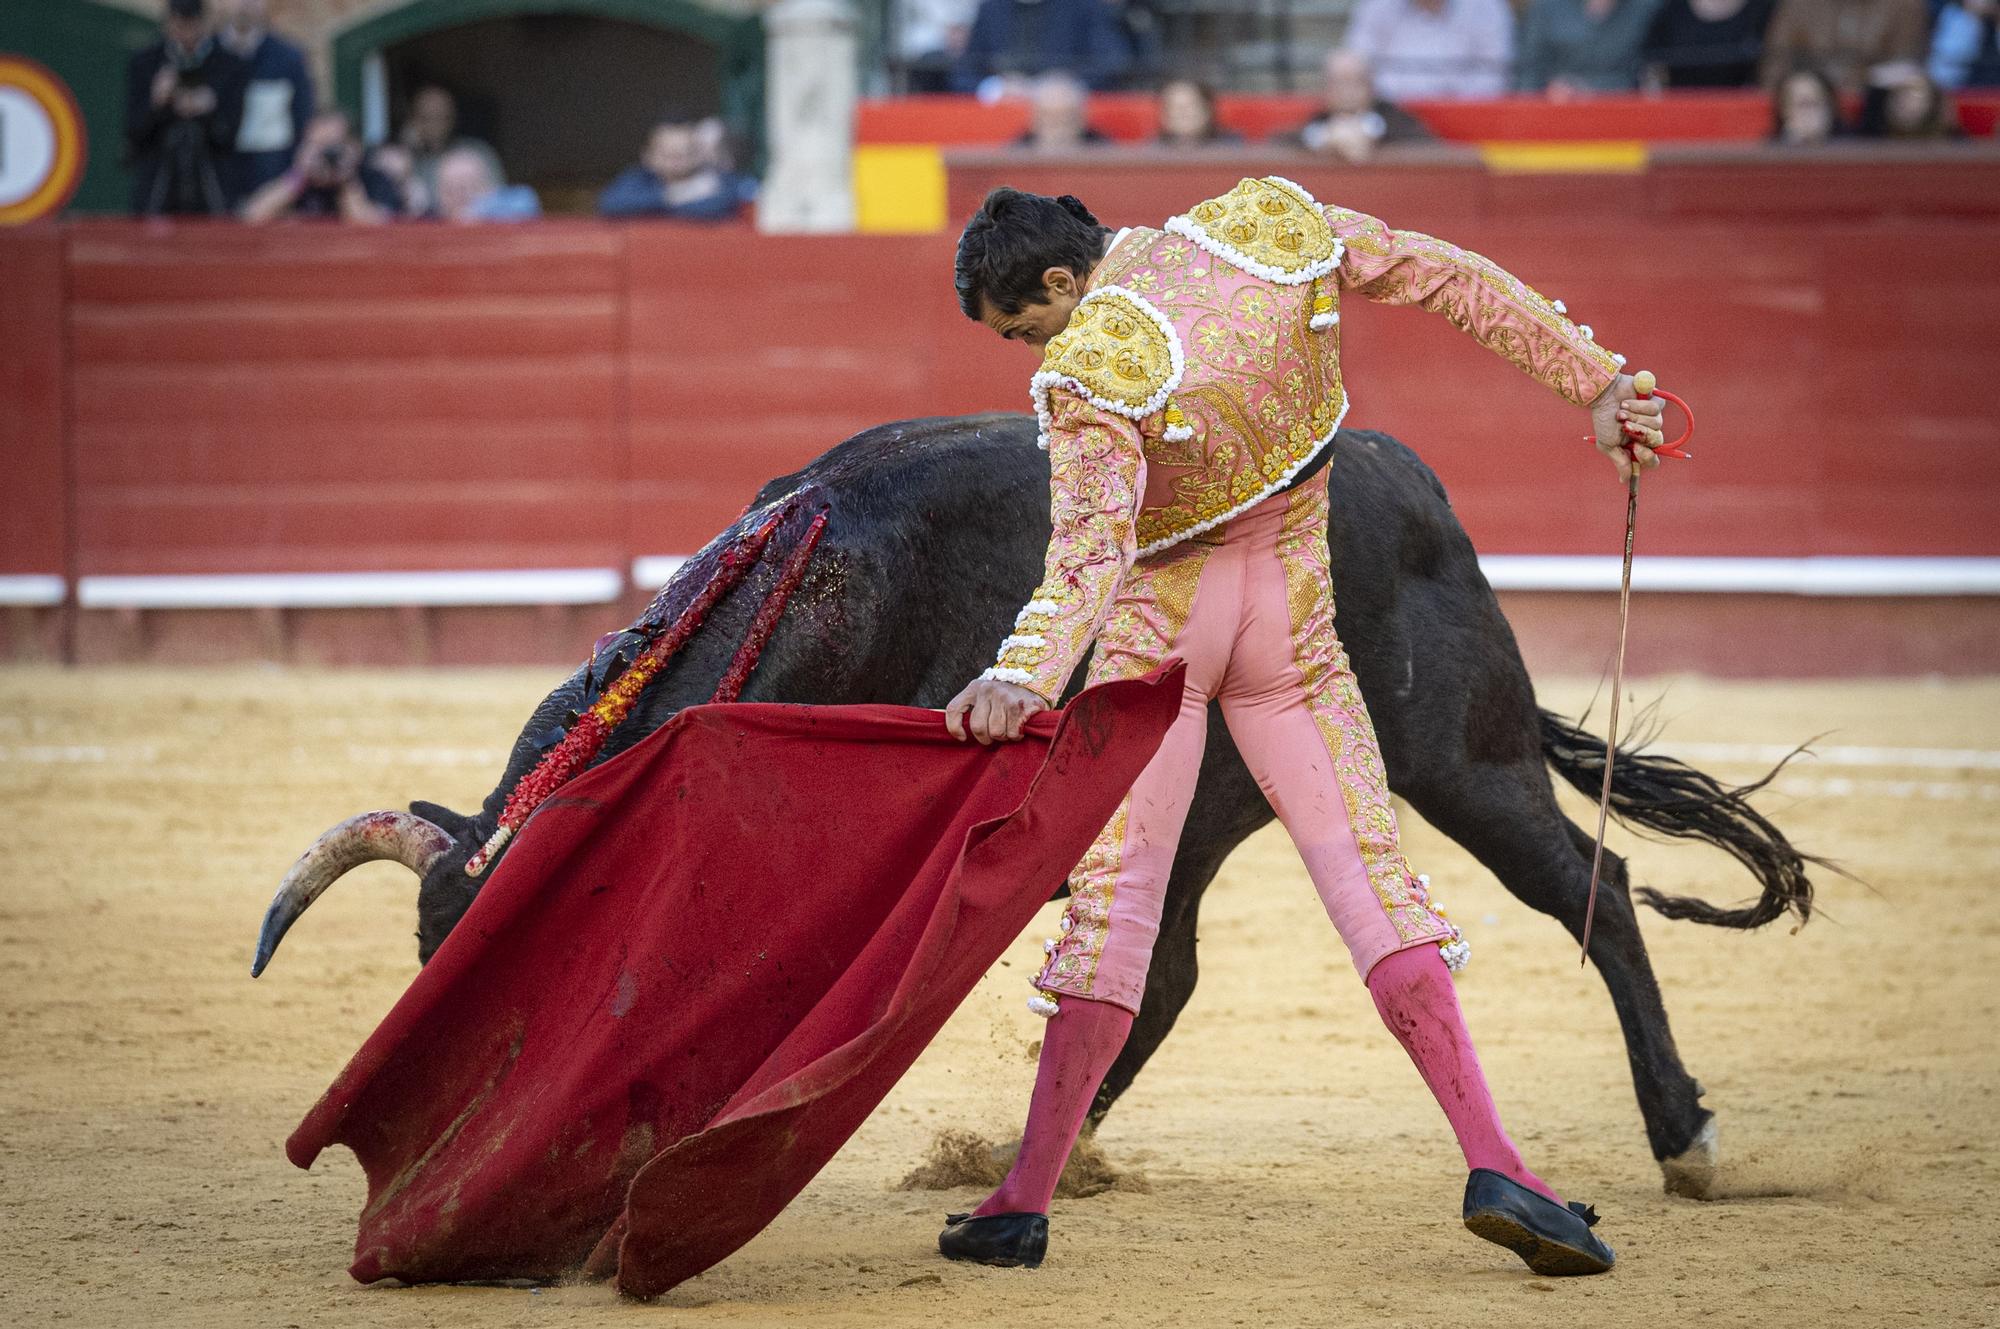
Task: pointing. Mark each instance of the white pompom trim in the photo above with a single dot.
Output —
(1256, 498)
(1007, 674)
(1559, 307)
(1618, 360)
(1188, 228)
(1588, 335)
(1044, 1007)
(1321, 322)
(1034, 607)
(1178, 433)
(1009, 642)
(1039, 385)
(1456, 953)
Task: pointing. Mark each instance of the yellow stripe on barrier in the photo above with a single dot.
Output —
(1609, 157)
(899, 188)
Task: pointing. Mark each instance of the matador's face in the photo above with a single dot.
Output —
(1037, 320)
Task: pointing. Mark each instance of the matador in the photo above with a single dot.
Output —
(1190, 388)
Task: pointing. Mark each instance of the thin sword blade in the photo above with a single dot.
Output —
(1617, 695)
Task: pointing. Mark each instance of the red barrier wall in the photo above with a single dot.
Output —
(34, 538)
(213, 399)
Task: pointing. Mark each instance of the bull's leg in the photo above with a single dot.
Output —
(1171, 976)
(1508, 820)
(1227, 807)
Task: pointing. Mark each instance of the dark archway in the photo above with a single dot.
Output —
(565, 89)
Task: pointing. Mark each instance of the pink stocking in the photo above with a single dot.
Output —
(1412, 990)
(1083, 1039)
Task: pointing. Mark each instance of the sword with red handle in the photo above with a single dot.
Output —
(1646, 386)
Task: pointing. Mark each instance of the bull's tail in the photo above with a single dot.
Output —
(1670, 798)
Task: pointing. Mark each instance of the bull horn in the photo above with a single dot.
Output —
(400, 836)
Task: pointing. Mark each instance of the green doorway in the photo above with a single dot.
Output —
(87, 45)
(564, 90)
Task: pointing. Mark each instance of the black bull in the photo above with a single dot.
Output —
(935, 539)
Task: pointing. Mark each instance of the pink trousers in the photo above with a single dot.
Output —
(1249, 608)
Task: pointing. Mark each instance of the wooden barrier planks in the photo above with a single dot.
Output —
(35, 531)
(322, 398)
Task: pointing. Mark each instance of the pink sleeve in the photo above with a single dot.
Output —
(1478, 297)
(1096, 477)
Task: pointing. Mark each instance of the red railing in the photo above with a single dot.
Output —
(1685, 117)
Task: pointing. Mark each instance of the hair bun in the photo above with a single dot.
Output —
(1073, 205)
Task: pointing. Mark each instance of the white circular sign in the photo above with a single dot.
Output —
(27, 145)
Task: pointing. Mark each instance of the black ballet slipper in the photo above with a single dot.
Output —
(1554, 1239)
(1012, 1241)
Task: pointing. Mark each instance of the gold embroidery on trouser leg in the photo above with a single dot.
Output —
(1145, 621)
(1086, 923)
(1337, 708)
(1149, 614)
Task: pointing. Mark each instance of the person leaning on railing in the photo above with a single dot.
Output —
(1355, 121)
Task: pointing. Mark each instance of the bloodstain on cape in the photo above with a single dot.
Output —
(700, 967)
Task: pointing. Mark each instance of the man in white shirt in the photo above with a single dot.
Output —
(1428, 49)
(277, 102)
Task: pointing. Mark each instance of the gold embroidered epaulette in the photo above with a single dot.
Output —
(1270, 228)
(1119, 352)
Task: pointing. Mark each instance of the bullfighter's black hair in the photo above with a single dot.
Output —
(1013, 239)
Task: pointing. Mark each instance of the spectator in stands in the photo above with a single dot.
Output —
(1187, 116)
(1013, 41)
(470, 190)
(1904, 104)
(930, 36)
(1571, 48)
(327, 179)
(393, 162)
(432, 130)
(1059, 116)
(683, 173)
(1805, 109)
(1356, 120)
(1708, 43)
(1965, 53)
(1423, 49)
(183, 103)
(277, 99)
(1845, 38)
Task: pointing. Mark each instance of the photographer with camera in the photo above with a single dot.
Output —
(328, 178)
(183, 104)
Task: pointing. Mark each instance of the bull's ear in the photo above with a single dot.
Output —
(455, 824)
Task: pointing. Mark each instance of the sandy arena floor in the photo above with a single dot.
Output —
(1296, 1173)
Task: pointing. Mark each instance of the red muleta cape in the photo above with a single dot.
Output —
(698, 970)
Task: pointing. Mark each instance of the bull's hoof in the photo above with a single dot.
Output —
(1691, 1172)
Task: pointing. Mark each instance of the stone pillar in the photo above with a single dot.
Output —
(810, 86)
